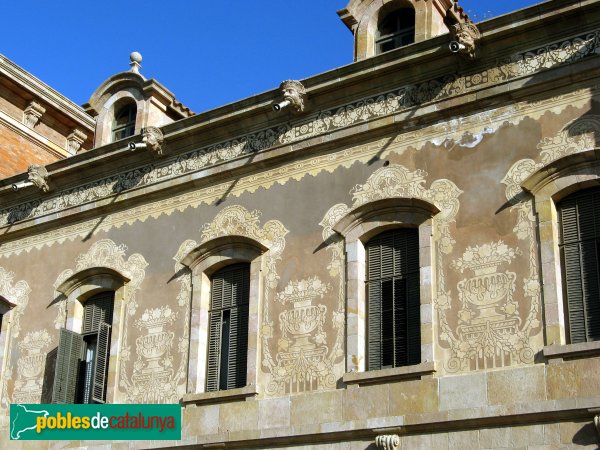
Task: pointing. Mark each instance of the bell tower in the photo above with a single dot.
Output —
(383, 25)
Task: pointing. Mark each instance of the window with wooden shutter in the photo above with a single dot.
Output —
(393, 301)
(82, 359)
(580, 250)
(228, 328)
(70, 348)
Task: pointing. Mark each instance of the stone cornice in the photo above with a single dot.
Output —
(432, 92)
(45, 93)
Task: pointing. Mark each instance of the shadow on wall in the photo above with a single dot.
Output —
(48, 381)
(587, 435)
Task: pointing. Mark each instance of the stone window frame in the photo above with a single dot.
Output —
(77, 289)
(357, 227)
(548, 186)
(203, 262)
(367, 28)
(104, 128)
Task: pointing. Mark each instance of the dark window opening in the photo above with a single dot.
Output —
(124, 123)
(393, 299)
(228, 328)
(580, 253)
(395, 30)
(81, 370)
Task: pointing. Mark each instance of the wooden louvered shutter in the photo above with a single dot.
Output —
(70, 347)
(228, 328)
(214, 351)
(393, 303)
(101, 363)
(580, 227)
(98, 309)
(238, 347)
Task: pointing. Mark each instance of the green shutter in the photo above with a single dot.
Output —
(374, 325)
(228, 328)
(101, 363)
(580, 245)
(97, 309)
(393, 299)
(70, 347)
(214, 351)
(238, 348)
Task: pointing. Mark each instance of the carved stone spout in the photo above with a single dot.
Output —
(294, 96)
(466, 35)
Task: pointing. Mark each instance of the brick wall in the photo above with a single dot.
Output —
(17, 153)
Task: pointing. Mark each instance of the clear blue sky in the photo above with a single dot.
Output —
(208, 53)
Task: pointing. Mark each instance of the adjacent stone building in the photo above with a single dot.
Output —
(400, 253)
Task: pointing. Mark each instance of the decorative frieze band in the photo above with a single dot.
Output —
(398, 100)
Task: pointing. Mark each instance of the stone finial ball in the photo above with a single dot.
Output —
(135, 57)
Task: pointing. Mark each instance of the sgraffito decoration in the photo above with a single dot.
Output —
(106, 253)
(396, 181)
(579, 135)
(17, 293)
(153, 379)
(236, 220)
(30, 367)
(489, 333)
(304, 362)
(392, 102)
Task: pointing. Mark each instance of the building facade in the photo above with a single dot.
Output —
(400, 253)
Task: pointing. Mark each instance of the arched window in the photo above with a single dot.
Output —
(228, 328)
(393, 305)
(82, 358)
(124, 123)
(580, 253)
(395, 29)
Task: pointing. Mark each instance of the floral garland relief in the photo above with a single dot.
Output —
(29, 383)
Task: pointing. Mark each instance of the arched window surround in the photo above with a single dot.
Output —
(548, 186)
(204, 261)
(427, 23)
(85, 284)
(357, 227)
(106, 115)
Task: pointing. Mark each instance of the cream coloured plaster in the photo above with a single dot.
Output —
(568, 162)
